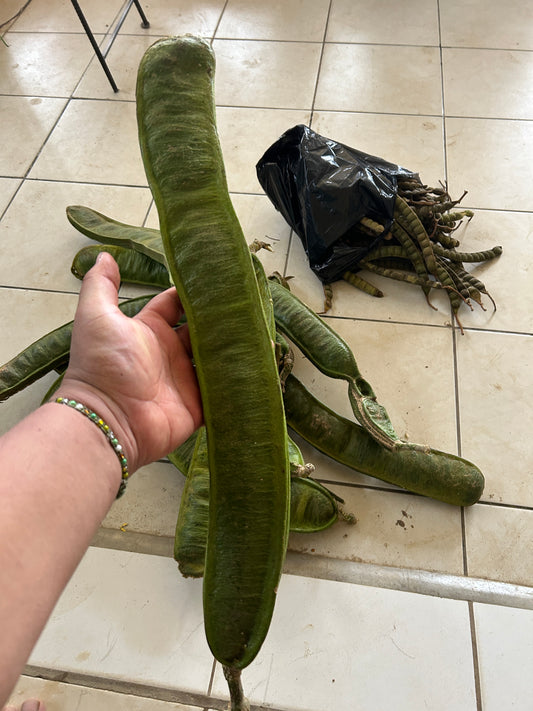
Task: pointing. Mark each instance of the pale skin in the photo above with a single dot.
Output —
(58, 473)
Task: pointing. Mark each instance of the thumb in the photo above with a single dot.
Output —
(99, 288)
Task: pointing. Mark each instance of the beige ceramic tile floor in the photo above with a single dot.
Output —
(420, 605)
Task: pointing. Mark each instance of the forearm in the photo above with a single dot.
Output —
(58, 478)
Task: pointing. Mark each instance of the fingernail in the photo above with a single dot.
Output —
(31, 705)
(98, 259)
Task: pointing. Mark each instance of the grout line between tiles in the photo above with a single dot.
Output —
(214, 35)
(119, 686)
(212, 677)
(443, 100)
(319, 68)
(475, 657)
(138, 689)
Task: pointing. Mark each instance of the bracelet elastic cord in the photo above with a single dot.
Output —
(113, 441)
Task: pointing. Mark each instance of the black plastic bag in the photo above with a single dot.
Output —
(323, 189)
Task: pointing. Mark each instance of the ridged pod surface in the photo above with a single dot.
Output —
(211, 266)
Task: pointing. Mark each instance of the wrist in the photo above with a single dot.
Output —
(108, 411)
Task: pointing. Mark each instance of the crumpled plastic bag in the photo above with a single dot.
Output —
(323, 189)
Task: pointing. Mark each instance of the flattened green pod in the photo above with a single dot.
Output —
(48, 353)
(211, 266)
(435, 474)
(182, 456)
(104, 229)
(190, 540)
(135, 267)
(313, 507)
(333, 357)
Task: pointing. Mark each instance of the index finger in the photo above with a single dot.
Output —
(166, 305)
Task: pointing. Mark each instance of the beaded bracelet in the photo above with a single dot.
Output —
(113, 441)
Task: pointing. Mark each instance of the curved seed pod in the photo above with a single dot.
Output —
(408, 219)
(410, 249)
(182, 456)
(362, 284)
(400, 275)
(446, 240)
(401, 263)
(475, 283)
(48, 353)
(454, 278)
(455, 256)
(312, 508)
(333, 357)
(413, 252)
(473, 293)
(450, 218)
(104, 229)
(190, 541)
(411, 183)
(372, 225)
(328, 297)
(386, 251)
(392, 256)
(445, 205)
(432, 473)
(211, 266)
(455, 297)
(135, 267)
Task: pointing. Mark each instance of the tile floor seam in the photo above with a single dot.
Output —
(443, 96)
(525, 334)
(130, 33)
(319, 67)
(475, 657)
(215, 30)
(475, 329)
(140, 689)
(103, 683)
(46, 139)
(267, 41)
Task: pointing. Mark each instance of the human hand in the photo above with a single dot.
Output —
(136, 373)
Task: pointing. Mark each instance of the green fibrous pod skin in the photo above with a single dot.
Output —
(265, 296)
(50, 352)
(333, 357)
(190, 540)
(434, 474)
(211, 267)
(312, 506)
(181, 457)
(52, 389)
(104, 229)
(135, 267)
(362, 284)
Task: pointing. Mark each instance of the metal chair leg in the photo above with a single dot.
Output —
(144, 22)
(102, 55)
(94, 43)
